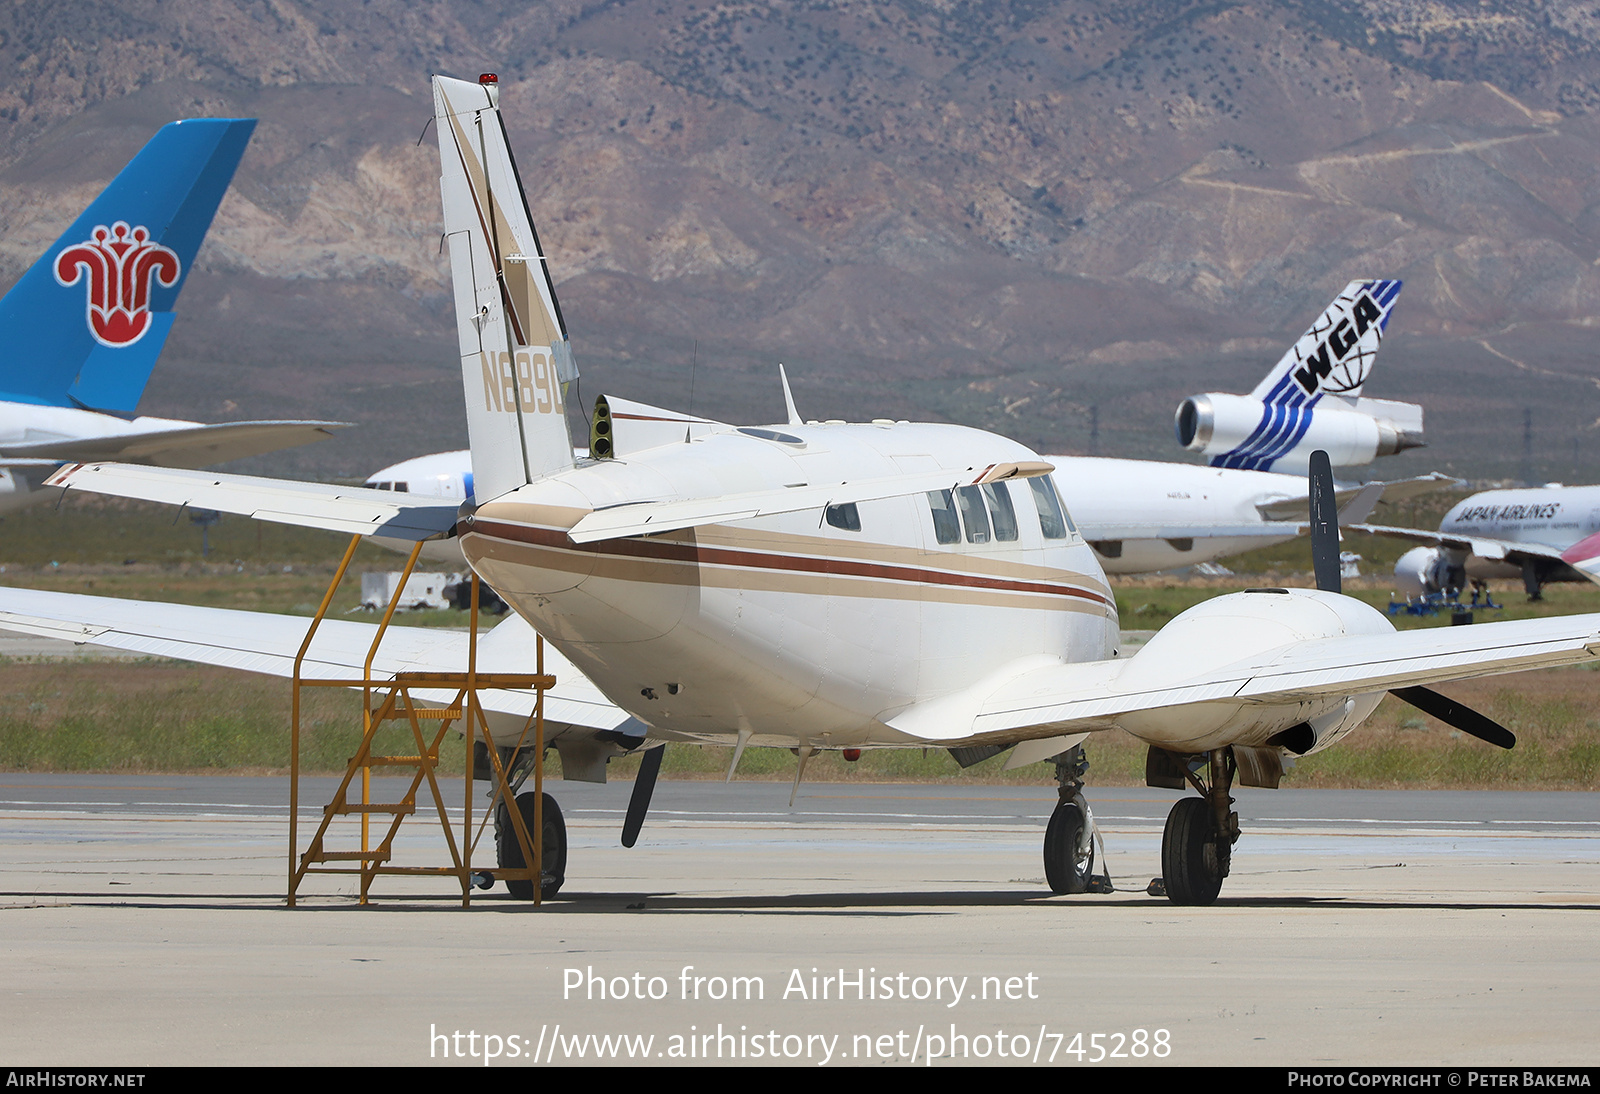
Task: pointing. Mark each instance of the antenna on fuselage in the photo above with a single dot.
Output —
(804, 752)
(694, 357)
(788, 397)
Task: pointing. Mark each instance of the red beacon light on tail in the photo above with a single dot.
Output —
(488, 78)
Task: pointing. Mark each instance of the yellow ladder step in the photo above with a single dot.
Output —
(402, 808)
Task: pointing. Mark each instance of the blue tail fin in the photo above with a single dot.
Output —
(85, 324)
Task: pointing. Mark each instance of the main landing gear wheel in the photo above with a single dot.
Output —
(1068, 849)
(1194, 859)
(508, 850)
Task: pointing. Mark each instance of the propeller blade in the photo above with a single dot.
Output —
(1324, 525)
(1452, 713)
(644, 785)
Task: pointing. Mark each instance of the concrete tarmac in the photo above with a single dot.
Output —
(142, 922)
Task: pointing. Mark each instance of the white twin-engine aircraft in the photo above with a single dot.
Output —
(828, 586)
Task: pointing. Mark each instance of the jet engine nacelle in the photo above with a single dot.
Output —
(1243, 431)
(1425, 570)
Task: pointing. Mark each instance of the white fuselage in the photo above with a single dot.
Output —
(1547, 516)
(788, 627)
(1141, 516)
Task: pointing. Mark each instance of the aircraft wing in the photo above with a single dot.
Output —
(265, 643)
(198, 446)
(643, 518)
(1058, 698)
(1482, 546)
(352, 510)
(1353, 500)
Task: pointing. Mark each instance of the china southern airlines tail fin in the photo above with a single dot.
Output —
(84, 326)
(1336, 354)
(515, 356)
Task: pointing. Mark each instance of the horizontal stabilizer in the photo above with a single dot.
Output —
(352, 510)
(196, 446)
(646, 518)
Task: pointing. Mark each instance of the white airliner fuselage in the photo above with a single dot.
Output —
(1550, 516)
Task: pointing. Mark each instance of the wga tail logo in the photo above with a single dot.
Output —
(1330, 365)
(119, 263)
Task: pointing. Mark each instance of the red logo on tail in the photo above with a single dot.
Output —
(120, 263)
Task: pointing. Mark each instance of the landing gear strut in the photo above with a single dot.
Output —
(1197, 846)
(553, 851)
(1069, 837)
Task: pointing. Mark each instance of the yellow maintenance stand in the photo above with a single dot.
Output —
(391, 700)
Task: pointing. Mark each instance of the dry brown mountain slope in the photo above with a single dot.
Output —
(1001, 214)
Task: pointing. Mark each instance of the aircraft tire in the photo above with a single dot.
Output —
(508, 851)
(1066, 868)
(1194, 858)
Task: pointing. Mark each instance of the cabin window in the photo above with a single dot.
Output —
(1001, 511)
(973, 514)
(946, 525)
(402, 487)
(1052, 518)
(846, 516)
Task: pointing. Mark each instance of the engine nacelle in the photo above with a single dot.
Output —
(1422, 571)
(1221, 631)
(1243, 431)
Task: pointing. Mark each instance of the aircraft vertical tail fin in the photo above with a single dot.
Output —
(515, 355)
(84, 325)
(1335, 356)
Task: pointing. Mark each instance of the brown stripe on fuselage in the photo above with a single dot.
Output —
(981, 561)
(648, 554)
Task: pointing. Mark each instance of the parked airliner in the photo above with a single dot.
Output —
(1540, 534)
